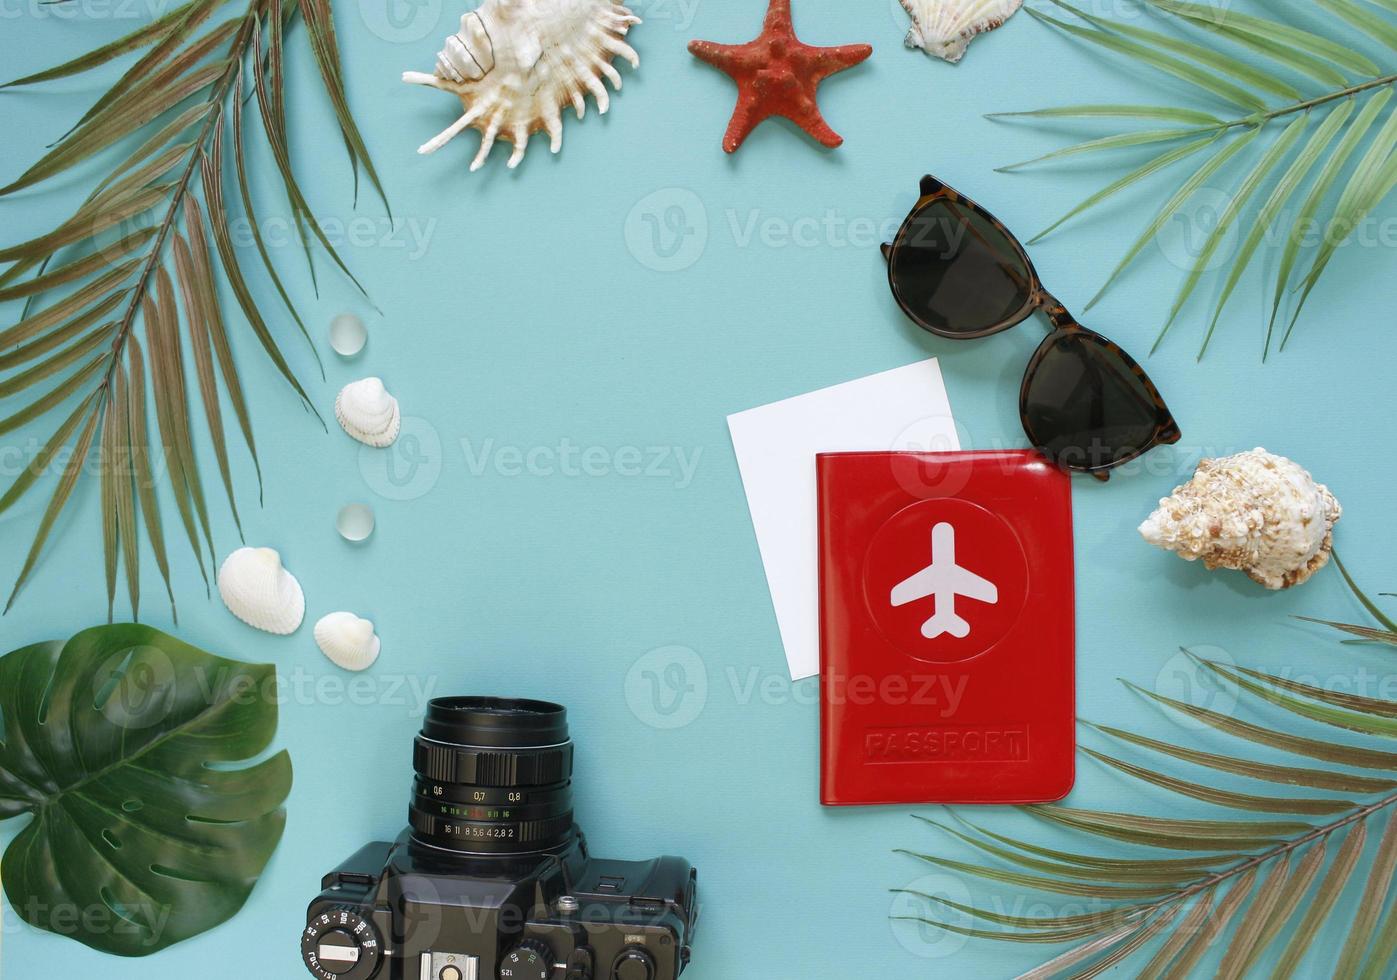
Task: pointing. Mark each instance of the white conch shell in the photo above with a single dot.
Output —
(259, 591)
(945, 28)
(368, 413)
(515, 63)
(1256, 512)
(347, 640)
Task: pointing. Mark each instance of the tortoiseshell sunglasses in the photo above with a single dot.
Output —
(957, 272)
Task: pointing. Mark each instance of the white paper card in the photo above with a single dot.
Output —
(902, 409)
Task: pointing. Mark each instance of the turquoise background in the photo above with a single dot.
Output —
(540, 313)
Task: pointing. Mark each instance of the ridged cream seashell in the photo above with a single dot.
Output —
(347, 640)
(945, 28)
(1256, 512)
(259, 591)
(368, 413)
(516, 63)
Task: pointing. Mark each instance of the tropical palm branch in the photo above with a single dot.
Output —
(1384, 632)
(1315, 114)
(1257, 886)
(122, 296)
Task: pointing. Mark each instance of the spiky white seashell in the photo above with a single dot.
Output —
(347, 640)
(1256, 512)
(516, 63)
(368, 413)
(945, 28)
(259, 591)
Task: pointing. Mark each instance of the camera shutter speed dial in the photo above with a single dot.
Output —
(634, 963)
(341, 945)
(530, 960)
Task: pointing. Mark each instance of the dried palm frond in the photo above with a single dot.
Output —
(1384, 632)
(1309, 113)
(1255, 887)
(129, 282)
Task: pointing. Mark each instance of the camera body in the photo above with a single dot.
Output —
(492, 880)
(565, 916)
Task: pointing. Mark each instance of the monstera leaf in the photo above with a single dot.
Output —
(117, 743)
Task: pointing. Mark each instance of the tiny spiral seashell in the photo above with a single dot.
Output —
(259, 591)
(347, 640)
(368, 413)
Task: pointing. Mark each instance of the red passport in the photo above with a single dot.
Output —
(947, 628)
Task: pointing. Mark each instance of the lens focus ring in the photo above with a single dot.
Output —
(492, 767)
(486, 836)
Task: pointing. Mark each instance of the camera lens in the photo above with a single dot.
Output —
(494, 776)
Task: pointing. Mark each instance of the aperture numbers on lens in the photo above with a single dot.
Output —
(477, 833)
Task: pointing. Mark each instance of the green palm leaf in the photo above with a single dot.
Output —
(1171, 207)
(1255, 889)
(1180, 68)
(1323, 902)
(1285, 188)
(1129, 180)
(122, 318)
(1355, 721)
(1156, 113)
(1207, 57)
(1195, 921)
(1246, 61)
(1072, 957)
(1371, 904)
(1287, 44)
(1238, 200)
(1222, 797)
(1290, 775)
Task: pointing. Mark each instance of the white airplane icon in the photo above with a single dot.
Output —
(944, 580)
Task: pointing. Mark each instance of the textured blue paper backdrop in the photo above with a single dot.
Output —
(556, 324)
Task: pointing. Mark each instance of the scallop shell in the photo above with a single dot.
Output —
(368, 413)
(945, 28)
(259, 591)
(516, 63)
(347, 640)
(1256, 512)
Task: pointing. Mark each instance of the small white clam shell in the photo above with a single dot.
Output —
(945, 28)
(347, 640)
(368, 413)
(259, 591)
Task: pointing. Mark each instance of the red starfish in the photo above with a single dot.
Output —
(777, 75)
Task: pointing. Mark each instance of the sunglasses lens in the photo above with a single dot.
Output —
(955, 272)
(1085, 406)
